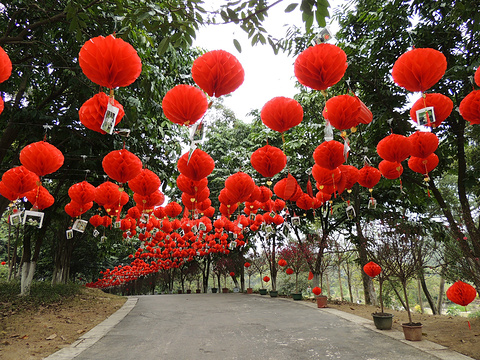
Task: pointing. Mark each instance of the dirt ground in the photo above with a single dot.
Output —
(34, 335)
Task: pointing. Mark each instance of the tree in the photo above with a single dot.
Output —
(295, 257)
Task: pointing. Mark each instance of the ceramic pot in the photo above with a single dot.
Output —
(214, 290)
(273, 293)
(383, 321)
(412, 331)
(297, 296)
(225, 290)
(263, 291)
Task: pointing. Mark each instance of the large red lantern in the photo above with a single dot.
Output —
(345, 112)
(189, 186)
(461, 293)
(5, 66)
(372, 269)
(268, 160)
(288, 189)
(470, 107)
(145, 183)
(281, 113)
(368, 176)
(419, 69)
(423, 165)
(7, 193)
(173, 209)
(394, 148)
(390, 170)
(19, 180)
(423, 143)
(146, 202)
(121, 165)
(184, 104)
(82, 192)
(92, 112)
(40, 198)
(107, 193)
(109, 62)
(320, 66)
(198, 167)
(240, 185)
(442, 106)
(218, 73)
(41, 158)
(350, 173)
(329, 154)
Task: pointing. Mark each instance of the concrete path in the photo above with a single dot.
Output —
(240, 326)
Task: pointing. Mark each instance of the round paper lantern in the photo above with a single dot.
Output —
(470, 107)
(205, 204)
(198, 167)
(227, 210)
(316, 290)
(342, 111)
(268, 160)
(226, 198)
(121, 165)
(278, 205)
(328, 181)
(187, 185)
(372, 269)
(419, 69)
(281, 113)
(40, 198)
(7, 193)
(240, 185)
(305, 202)
(145, 183)
(173, 209)
(190, 201)
(423, 165)
(320, 66)
(368, 176)
(289, 271)
(184, 104)
(390, 170)
(82, 192)
(423, 144)
(154, 199)
(287, 188)
(351, 175)
(266, 279)
(218, 73)
(109, 62)
(107, 193)
(92, 112)
(265, 194)
(442, 106)
(282, 262)
(19, 180)
(5, 66)
(461, 293)
(41, 158)
(394, 148)
(329, 154)
(2, 105)
(96, 220)
(74, 209)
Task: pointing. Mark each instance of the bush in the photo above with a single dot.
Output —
(475, 314)
(454, 310)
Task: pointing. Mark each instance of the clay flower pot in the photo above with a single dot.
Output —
(321, 301)
(225, 290)
(412, 331)
(249, 291)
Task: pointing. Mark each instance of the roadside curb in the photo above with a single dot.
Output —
(95, 334)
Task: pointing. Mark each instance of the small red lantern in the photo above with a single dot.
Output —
(40, 198)
(198, 167)
(470, 107)
(41, 158)
(240, 185)
(96, 220)
(390, 170)
(442, 106)
(189, 186)
(7, 193)
(5, 66)
(82, 192)
(368, 176)
(107, 193)
(394, 148)
(289, 271)
(247, 265)
(329, 154)
(343, 111)
(121, 165)
(266, 279)
(350, 173)
(268, 160)
(316, 290)
(232, 274)
(173, 209)
(288, 189)
(310, 276)
(145, 183)
(92, 112)
(423, 165)
(423, 143)
(184, 104)
(461, 293)
(282, 262)
(147, 202)
(372, 269)
(281, 114)
(305, 202)
(19, 180)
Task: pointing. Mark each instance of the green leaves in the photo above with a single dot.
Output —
(291, 7)
(237, 45)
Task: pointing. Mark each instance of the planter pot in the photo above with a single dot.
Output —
(273, 293)
(263, 291)
(198, 291)
(321, 301)
(249, 291)
(180, 291)
(214, 290)
(189, 291)
(297, 296)
(412, 331)
(225, 290)
(236, 290)
(383, 321)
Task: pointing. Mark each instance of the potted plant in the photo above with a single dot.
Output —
(294, 255)
(321, 299)
(382, 320)
(259, 262)
(250, 271)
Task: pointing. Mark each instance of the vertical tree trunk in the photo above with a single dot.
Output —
(420, 300)
(440, 294)
(340, 281)
(349, 282)
(428, 295)
(28, 270)
(328, 284)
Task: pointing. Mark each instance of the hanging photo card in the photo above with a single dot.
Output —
(16, 219)
(325, 35)
(109, 119)
(80, 225)
(372, 203)
(117, 224)
(296, 220)
(350, 212)
(426, 116)
(33, 218)
(95, 233)
(69, 234)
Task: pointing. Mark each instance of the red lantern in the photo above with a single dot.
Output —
(278, 205)
(461, 293)
(345, 111)
(305, 202)
(96, 221)
(282, 262)
(109, 62)
(232, 274)
(146, 202)
(121, 165)
(198, 167)
(281, 114)
(423, 165)
(268, 161)
(5, 66)
(41, 158)
(266, 279)
(240, 185)
(288, 189)
(20, 180)
(470, 107)
(92, 112)
(40, 198)
(189, 186)
(145, 183)
(107, 193)
(390, 170)
(7, 193)
(226, 198)
(368, 176)
(227, 210)
(289, 271)
(184, 104)
(316, 290)
(173, 209)
(74, 209)
(372, 269)
(265, 194)
(328, 181)
(329, 154)
(419, 69)
(247, 265)
(423, 143)
(350, 173)
(310, 276)
(394, 148)
(218, 73)
(320, 66)
(82, 192)
(442, 106)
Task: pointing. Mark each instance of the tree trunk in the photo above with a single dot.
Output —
(420, 300)
(440, 294)
(340, 281)
(428, 295)
(28, 270)
(404, 285)
(328, 284)
(349, 282)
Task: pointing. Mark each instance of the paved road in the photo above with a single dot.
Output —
(239, 326)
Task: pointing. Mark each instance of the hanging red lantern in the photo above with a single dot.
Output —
(419, 69)
(461, 293)
(173, 209)
(19, 180)
(281, 114)
(442, 106)
(107, 193)
(147, 202)
(329, 154)
(92, 112)
(247, 265)
(390, 170)
(232, 274)
(470, 107)
(316, 290)
(226, 198)
(40, 198)
(7, 193)
(265, 194)
(310, 277)
(198, 167)
(82, 192)
(320, 66)
(205, 204)
(109, 62)
(96, 220)
(372, 269)
(227, 210)
(288, 189)
(187, 185)
(266, 279)
(343, 111)
(145, 183)
(394, 148)
(41, 158)
(184, 104)
(190, 201)
(74, 209)
(240, 185)
(218, 73)
(305, 202)
(351, 175)
(134, 212)
(423, 143)
(423, 165)
(5, 66)
(121, 165)
(289, 271)
(328, 181)
(368, 176)
(282, 262)
(268, 161)
(278, 205)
